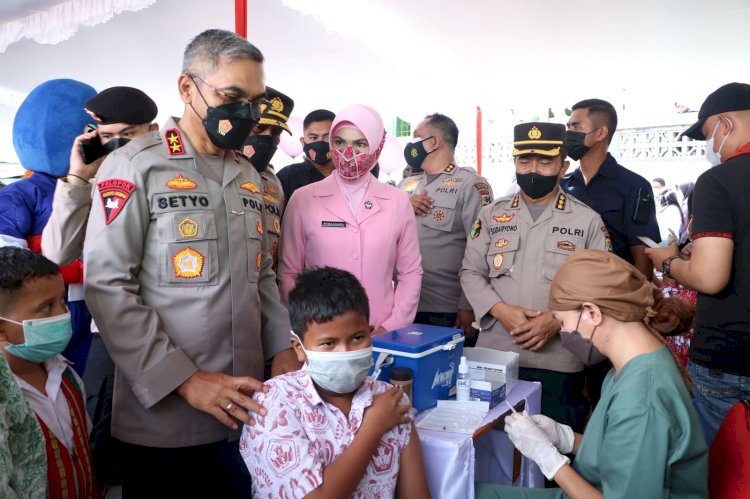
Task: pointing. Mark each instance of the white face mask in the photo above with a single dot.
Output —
(338, 372)
(715, 157)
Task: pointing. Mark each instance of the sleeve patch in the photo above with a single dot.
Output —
(114, 193)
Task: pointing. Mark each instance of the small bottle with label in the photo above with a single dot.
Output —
(403, 377)
(463, 384)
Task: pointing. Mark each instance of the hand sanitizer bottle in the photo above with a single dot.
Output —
(463, 384)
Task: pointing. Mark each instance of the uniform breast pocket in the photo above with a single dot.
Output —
(443, 213)
(188, 251)
(501, 254)
(254, 231)
(557, 249)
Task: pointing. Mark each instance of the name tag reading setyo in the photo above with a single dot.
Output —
(339, 225)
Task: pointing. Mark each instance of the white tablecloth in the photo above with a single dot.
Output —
(453, 461)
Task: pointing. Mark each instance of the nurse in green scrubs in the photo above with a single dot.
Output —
(643, 439)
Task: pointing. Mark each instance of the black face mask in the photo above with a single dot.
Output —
(582, 348)
(229, 125)
(415, 154)
(260, 149)
(322, 152)
(115, 144)
(534, 185)
(575, 145)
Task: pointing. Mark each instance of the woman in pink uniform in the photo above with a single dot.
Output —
(352, 221)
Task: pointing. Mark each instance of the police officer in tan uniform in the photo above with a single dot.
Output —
(260, 147)
(514, 249)
(446, 200)
(179, 284)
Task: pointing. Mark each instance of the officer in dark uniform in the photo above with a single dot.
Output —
(623, 198)
(260, 147)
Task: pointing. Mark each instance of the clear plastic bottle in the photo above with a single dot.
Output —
(463, 384)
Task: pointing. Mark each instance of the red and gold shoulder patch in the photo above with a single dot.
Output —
(249, 186)
(181, 183)
(175, 147)
(114, 193)
(504, 218)
(188, 263)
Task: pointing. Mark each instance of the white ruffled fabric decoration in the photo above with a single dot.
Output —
(61, 21)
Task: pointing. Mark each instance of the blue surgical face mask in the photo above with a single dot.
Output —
(44, 338)
(338, 372)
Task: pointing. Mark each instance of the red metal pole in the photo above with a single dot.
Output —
(240, 17)
(479, 140)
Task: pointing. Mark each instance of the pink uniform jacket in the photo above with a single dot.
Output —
(320, 230)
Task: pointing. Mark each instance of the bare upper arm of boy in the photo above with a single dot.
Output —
(412, 481)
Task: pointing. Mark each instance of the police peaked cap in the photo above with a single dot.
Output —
(277, 112)
(541, 138)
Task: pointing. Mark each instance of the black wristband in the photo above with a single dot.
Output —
(78, 177)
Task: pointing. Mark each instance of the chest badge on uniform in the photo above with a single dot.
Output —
(115, 193)
(249, 186)
(259, 227)
(566, 246)
(501, 243)
(504, 218)
(476, 228)
(225, 126)
(188, 263)
(188, 228)
(174, 142)
(451, 181)
(368, 205)
(277, 225)
(270, 199)
(181, 183)
(497, 261)
(439, 215)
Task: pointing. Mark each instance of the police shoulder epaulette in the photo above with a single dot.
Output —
(562, 201)
(138, 145)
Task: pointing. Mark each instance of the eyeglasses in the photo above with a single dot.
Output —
(257, 105)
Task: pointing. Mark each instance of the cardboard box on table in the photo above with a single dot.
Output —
(431, 352)
(485, 361)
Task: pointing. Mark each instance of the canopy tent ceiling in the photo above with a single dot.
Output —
(516, 59)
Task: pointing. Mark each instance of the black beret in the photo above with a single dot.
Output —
(122, 105)
(541, 138)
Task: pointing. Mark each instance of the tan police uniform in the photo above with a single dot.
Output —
(62, 237)
(511, 257)
(177, 281)
(458, 194)
(273, 197)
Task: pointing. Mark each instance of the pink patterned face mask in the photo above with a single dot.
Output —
(350, 164)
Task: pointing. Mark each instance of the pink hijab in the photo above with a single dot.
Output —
(368, 121)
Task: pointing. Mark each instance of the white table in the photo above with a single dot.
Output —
(453, 461)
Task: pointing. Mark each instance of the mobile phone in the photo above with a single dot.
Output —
(642, 205)
(648, 242)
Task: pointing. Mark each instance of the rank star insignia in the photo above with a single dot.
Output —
(476, 228)
(497, 261)
(561, 200)
(277, 225)
(504, 218)
(515, 202)
(368, 205)
(566, 246)
(188, 263)
(114, 193)
(181, 183)
(501, 243)
(259, 227)
(188, 228)
(174, 142)
(249, 186)
(225, 126)
(439, 215)
(450, 168)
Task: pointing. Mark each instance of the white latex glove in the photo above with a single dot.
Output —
(533, 443)
(561, 435)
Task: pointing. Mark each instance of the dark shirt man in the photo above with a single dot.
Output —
(623, 198)
(719, 263)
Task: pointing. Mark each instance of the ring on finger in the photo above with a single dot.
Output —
(229, 407)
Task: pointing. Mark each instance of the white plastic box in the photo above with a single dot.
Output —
(487, 360)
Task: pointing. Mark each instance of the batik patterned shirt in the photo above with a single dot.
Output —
(287, 450)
